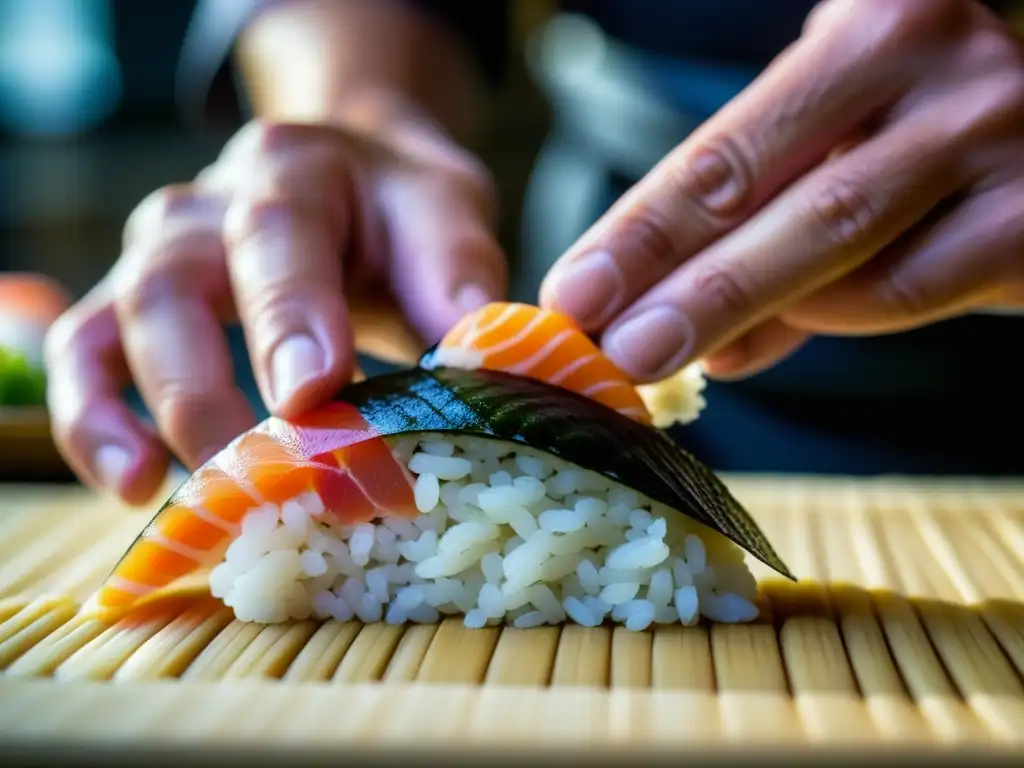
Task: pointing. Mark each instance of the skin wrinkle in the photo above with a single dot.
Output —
(854, 217)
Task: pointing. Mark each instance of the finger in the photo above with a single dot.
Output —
(446, 260)
(108, 447)
(172, 293)
(967, 259)
(285, 232)
(820, 228)
(818, 93)
(758, 349)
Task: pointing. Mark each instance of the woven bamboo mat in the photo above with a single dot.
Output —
(907, 630)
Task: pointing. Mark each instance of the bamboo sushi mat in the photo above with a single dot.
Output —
(906, 631)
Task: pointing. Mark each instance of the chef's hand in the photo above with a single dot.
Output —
(288, 220)
(870, 181)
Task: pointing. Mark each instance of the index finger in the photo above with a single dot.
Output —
(813, 96)
(285, 233)
(822, 227)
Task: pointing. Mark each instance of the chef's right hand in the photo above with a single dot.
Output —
(272, 235)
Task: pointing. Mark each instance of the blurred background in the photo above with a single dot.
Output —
(104, 101)
(92, 111)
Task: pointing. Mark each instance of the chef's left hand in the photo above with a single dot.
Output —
(871, 180)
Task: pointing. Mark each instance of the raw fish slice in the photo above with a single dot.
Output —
(339, 435)
(524, 340)
(353, 470)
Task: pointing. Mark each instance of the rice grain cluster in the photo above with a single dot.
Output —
(506, 535)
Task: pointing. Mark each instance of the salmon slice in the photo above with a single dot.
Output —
(333, 451)
(340, 437)
(540, 344)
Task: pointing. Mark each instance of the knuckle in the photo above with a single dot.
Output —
(179, 407)
(265, 136)
(893, 25)
(649, 236)
(903, 296)
(216, 176)
(725, 289)
(922, 21)
(716, 180)
(843, 213)
(250, 218)
(282, 303)
(987, 114)
(148, 278)
(991, 51)
(158, 207)
(143, 287)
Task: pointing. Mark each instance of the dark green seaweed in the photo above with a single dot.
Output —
(559, 422)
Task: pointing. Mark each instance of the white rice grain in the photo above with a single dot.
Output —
(295, 519)
(562, 520)
(530, 620)
(491, 601)
(532, 466)
(642, 553)
(597, 607)
(444, 468)
(578, 612)
(504, 535)
(500, 479)
(619, 592)
(589, 578)
(659, 591)
(426, 492)
(313, 563)
(361, 543)
(492, 565)
(687, 605)
(438, 448)
(696, 560)
(461, 537)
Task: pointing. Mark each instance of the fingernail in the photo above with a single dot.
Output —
(297, 360)
(470, 297)
(590, 289)
(110, 463)
(651, 345)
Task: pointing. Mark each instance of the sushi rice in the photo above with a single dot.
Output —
(506, 535)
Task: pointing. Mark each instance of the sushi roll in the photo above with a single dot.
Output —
(491, 482)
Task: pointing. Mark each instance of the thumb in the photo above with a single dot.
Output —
(445, 259)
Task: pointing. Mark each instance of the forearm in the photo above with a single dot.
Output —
(357, 61)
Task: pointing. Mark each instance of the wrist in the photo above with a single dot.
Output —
(367, 65)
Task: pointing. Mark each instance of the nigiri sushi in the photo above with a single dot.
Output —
(470, 486)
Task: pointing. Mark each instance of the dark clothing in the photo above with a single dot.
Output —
(750, 32)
